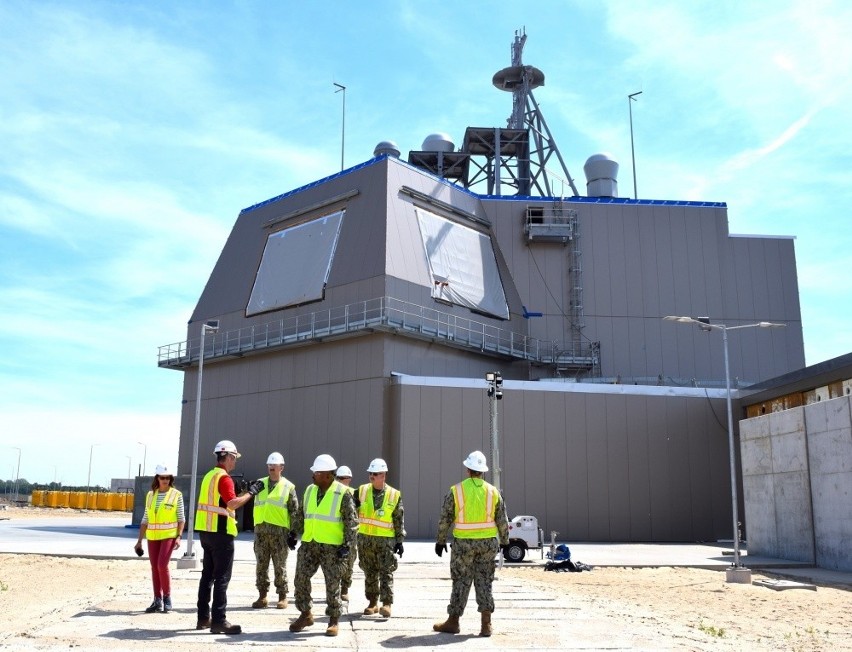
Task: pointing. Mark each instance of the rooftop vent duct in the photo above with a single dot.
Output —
(439, 142)
(601, 176)
(386, 147)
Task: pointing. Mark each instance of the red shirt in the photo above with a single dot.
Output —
(226, 487)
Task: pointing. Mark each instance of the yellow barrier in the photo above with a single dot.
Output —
(62, 498)
(117, 504)
(52, 498)
(128, 502)
(104, 501)
(77, 499)
(38, 497)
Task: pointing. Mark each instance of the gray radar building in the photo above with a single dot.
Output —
(359, 315)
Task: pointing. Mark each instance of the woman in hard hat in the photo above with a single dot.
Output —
(162, 526)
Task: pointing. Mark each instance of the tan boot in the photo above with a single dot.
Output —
(282, 601)
(305, 619)
(385, 610)
(331, 630)
(449, 626)
(261, 602)
(486, 624)
(372, 608)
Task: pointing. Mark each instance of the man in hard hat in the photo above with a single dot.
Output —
(328, 524)
(275, 508)
(476, 513)
(344, 477)
(381, 531)
(217, 527)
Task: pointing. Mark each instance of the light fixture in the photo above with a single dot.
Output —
(737, 573)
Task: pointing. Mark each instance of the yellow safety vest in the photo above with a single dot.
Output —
(372, 522)
(209, 511)
(271, 506)
(162, 520)
(476, 505)
(323, 522)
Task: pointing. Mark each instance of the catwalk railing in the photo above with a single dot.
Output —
(383, 314)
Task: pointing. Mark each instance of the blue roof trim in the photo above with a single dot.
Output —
(523, 198)
(608, 200)
(342, 173)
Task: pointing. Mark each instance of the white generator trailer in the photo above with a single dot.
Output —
(524, 534)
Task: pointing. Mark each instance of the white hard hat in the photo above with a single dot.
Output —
(324, 463)
(162, 469)
(344, 472)
(378, 465)
(275, 458)
(476, 462)
(226, 446)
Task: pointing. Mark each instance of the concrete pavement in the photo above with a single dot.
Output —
(422, 590)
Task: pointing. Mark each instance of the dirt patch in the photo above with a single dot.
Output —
(740, 615)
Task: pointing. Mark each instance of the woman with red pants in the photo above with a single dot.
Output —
(162, 525)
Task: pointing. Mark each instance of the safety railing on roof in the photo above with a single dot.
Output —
(385, 314)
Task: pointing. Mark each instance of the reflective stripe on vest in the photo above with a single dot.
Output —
(376, 523)
(323, 522)
(476, 504)
(209, 511)
(162, 519)
(271, 507)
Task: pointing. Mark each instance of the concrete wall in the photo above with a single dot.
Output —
(797, 483)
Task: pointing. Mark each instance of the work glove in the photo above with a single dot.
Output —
(255, 487)
(397, 549)
(291, 541)
(343, 552)
(440, 548)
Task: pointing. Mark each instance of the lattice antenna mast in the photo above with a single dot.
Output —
(520, 80)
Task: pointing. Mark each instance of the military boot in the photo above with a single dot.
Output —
(156, 605)
(449, 626)
(372, 608)
(282, 601)
(331, 630)
(385, 610)
(261, 602)
(486, 624)
(167, 603)
(305, 619)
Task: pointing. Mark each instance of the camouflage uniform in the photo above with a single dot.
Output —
(346, 578)
(471, 560)
(377, 556)
(312, 555)
(270, 543)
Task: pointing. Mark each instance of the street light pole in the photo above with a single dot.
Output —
(144, 455)
(342, 88)
(630, 99)
(17, 473)
(188, 559)
(89, 476)
(737, 573)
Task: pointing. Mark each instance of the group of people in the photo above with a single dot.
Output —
(336, 524)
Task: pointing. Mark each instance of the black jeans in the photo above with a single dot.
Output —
(218, 550)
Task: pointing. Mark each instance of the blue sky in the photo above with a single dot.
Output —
(133, 133)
